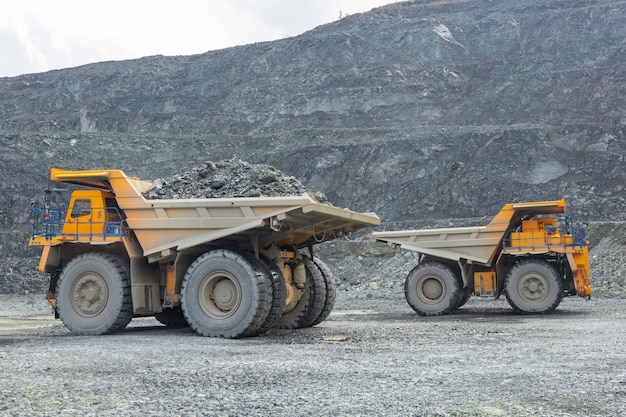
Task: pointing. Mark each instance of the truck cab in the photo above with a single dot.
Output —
(92, 215)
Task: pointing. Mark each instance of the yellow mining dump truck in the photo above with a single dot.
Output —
(532, 252)
(228, 267)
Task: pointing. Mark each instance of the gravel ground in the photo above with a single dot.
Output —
(373, 356)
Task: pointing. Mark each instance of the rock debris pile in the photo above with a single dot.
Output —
(230, 178)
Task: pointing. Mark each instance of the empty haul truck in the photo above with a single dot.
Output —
(532, 252)
(228, 267)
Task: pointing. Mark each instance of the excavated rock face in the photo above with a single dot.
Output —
(420, 111)
(229, 178)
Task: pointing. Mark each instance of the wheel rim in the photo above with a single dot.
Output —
(89, 294)
(533, 287)
(431, 289)
(220, 295)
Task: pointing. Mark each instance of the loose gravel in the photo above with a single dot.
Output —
(373, 357)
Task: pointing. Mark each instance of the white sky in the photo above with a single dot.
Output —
(41, 35)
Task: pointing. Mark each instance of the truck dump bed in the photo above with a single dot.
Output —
(478, 244)
(178, 224)
(471, 243)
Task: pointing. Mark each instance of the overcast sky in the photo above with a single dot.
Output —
(41, 35)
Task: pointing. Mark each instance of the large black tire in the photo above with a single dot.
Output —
(223, 294)
(464, 296)
(172, 317)
(432, 289)
(311, 304)
(331, 291)
(533, 286)
(93, 294)
(279, 292)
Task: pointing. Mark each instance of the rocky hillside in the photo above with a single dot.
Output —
(417, 111)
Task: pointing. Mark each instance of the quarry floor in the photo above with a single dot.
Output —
(372, 356)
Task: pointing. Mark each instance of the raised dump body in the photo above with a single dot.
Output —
(227, 266)
(478, 244)
(532, 252)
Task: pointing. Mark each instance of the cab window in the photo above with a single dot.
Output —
(81, 207)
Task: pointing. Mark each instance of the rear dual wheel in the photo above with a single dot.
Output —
(432, 289)
(331, 291)
(226, 294)
(464, 296)
(311, 303)
(318, 299)
(277, 289)
(229, 294)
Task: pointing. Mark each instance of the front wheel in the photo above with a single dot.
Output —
(93, 294)
(432, 289)
(533, 286)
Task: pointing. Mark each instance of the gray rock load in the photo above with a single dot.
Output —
(229, 178)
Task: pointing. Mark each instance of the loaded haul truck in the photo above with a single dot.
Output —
(228, 267)
(532, 252)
